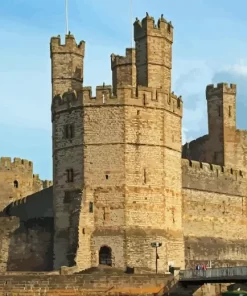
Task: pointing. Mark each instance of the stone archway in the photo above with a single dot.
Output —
(105, 256)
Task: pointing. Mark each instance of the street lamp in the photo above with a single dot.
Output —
(156, 245)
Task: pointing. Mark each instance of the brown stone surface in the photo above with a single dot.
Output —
(120, 152)
(17, 180)
(88, 284)
(123, 70)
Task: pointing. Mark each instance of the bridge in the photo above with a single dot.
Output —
(214, 275)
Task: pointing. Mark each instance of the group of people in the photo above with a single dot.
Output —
(201, 267)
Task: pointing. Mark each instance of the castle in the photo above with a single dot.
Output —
(121, 178)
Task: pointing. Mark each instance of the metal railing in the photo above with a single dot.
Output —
(224, 272)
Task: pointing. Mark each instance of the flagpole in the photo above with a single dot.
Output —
(66, 17)
(131, 22)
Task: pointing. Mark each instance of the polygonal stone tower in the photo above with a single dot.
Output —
(117, 158)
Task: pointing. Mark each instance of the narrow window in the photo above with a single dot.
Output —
(145, 176)
(173, 216)
(69, 131)
(107, 177)
(71, 127)
(230, 111)
(144, 99)
(90, 207)
(70, 175)
(169, 28)
(16, 184)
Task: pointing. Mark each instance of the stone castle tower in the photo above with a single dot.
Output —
(117, 156)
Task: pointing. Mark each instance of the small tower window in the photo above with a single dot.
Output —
(90, 207)
(169, 28)
(144, 99)
(16, 184)
(70, 175)
(230, 111)
(69, 131)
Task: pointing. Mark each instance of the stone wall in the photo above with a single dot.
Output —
(8, 225)
(98, 284)
(37, 205)
(123, 70)
(31, 246)
(17, 180)
(214, 215)
(83, 284)
(67, 64)
(153, 45)
(28, 245)
(104, 176)
(153, 195)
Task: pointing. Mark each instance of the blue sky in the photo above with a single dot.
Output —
(210, 46)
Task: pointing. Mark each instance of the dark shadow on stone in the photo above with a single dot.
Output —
(31, 246)
(102, 269)
(130, 270)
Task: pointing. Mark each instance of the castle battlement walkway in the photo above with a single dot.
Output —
(214, 275)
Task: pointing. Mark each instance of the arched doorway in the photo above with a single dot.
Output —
(105, 256)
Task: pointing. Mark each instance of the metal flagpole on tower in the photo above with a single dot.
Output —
(131, 22)
(66, 17)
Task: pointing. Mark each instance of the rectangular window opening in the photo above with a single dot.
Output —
(90, 207)
(230, 111)
(145, 176)
(70, 175)
(69, 131)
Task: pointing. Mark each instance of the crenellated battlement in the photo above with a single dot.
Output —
(6, 163)
(215, 170)
(70, 45)
(147, 26)
(47, 183)
(128, 59)
(36, 177)
(126, 95)
(220, 88)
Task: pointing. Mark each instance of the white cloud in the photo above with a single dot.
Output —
(190, 81)
(239, 68)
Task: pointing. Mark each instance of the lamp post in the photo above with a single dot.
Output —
(156, 245)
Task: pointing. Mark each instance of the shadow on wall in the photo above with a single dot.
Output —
(30, 246)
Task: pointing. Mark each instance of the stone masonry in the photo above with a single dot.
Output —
(119, 150)
(119, 181)
(17, 180)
